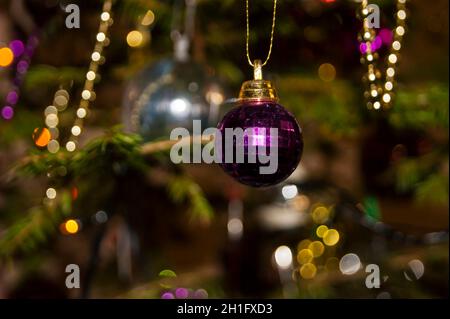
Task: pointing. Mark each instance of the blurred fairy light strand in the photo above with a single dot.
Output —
(49, 135)
(88, 94)
(380, 95)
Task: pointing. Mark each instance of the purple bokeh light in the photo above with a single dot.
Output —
(7, 112)
(22, 67)
(167, 295)
(376, 44)
(181, 293)
(386, 36)
(12, 98)
(17, 47)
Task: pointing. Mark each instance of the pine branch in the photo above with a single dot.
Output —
(96, 167)
(183, 189)
(35, 228)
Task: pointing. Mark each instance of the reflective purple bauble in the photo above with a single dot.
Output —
(256, 118)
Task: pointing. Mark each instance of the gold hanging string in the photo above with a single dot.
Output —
(271, 34)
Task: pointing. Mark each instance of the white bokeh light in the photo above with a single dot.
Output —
(289, 191)
(283, 257)
(179, 107)
(349, 264)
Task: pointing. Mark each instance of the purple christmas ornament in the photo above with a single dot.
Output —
(257, 118)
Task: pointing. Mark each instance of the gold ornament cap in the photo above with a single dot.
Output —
(258, 89)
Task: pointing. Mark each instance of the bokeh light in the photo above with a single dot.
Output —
(71, 226)
(12, 98)
(331, 237)
(53, 146)
(304, 256)
(50, 193)
(41, 136)
(415, 270)
(308, 271)
(303, 244)
(316, 248)
(101, 217)
(386, 36)
(148, 19)
(6, 57)
(95, 56)
(51, 120)
(320, 214)
(289, 191)
(90, 76)
(320, 231)
(181, 293)
(349, 264)
(81, 112)
(134, 38)
(235, 227)
(283, 257)
(167, 295)
(7, 112)
(17, 47)
(22, 67)
(71, 146)
(327, 72)
(301, 202)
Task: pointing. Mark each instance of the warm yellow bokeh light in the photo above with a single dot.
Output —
(304, 256)
(41, 137)
(6, 57)
(327, 72)
(308, 271)
(320, 231)
(71, 226)
(317, 248)
(303, 244)
(148, 18)
(134, 38)
(331, 237)
(320, 214)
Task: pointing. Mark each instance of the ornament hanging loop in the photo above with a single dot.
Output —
(257, 70)
(247, 34)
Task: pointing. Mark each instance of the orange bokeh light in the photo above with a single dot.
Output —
(41, 137)
(6, 57)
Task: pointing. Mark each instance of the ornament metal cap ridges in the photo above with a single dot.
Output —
(258, 89)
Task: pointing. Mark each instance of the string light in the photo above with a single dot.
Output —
(105, 16)
(377, 98)
(71, 146)
(90, 75)
(81, 113)
(60, 102)
(88, 93)
(50, 193)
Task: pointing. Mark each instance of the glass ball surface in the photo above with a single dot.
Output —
(260, 116)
